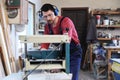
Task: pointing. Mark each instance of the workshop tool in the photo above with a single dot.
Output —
(50, 55)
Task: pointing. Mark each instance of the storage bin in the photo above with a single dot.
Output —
(116, 75)
(116, 68)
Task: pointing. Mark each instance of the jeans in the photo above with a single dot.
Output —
(75, 61)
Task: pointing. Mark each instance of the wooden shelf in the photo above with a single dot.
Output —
(108, 26)
(104, 38)
(112, 12)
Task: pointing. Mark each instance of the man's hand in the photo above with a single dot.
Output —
(43, 49)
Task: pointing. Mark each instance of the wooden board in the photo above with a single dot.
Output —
(49, 76)
(2, 72)
(5, 53)
(44, 38)
(5, 32)
(47, 66)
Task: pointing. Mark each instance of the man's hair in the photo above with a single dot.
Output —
(51, 7)
(47, 7)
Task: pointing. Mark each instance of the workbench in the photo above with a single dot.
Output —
(110, 49)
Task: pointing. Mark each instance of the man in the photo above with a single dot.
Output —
(57, 25)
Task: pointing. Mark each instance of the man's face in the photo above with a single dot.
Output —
(49, 16)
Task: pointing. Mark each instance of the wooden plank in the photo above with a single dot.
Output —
(2, 72)
(44, 38)
(0, 16)
(2, 59)
(5, 53)
(45, 66)
(6, 31)
(50, 76)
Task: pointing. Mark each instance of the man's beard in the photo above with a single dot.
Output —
(50, 21)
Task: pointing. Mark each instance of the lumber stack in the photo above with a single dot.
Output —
(5, 41)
